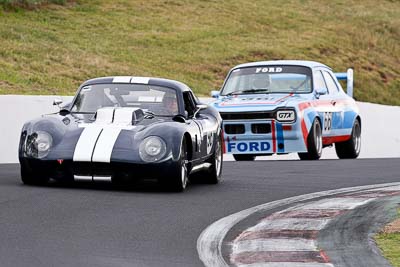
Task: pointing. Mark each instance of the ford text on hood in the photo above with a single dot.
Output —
(279, 107)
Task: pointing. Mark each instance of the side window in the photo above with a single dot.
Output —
(319, 80)
(332, 86)
(190, 105)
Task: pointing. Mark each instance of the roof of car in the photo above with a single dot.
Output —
(139, 80)
(305, 63)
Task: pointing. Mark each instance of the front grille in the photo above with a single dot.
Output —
(234, 129)
(247, 115)
(82, 168)
(263, 128)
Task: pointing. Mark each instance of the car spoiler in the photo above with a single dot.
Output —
(348, 76)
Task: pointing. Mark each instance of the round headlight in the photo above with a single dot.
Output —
(152, 148)
(39, 144)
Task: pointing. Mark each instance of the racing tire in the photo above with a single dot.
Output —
(30, 177)
(314, 143)
(351, 148)
(180, 180)
(213, 174)
(244, 157)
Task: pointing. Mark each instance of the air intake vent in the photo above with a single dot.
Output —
(234, 129)
(247, 115)
(261, 128)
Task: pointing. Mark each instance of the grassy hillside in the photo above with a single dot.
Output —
(52, 49)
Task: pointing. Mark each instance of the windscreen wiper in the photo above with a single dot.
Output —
(239, 92)
(255, 90)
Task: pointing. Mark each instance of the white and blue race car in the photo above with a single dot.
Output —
(280, 107)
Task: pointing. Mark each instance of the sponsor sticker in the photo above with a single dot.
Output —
(285, 115)
(269, 70)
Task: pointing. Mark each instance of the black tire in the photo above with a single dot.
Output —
(244, 157)
(314, 143)
(30, 177)
(213, 174)
(351, 148)
(180, 180)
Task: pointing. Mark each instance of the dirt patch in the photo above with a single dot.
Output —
(393, 227)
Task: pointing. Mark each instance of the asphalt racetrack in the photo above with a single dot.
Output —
(100, 225)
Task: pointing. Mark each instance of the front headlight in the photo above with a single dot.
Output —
(152, 148)
(38, 144)
(284, 115)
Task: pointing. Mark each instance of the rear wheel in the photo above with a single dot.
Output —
(351, 148)
(30, 177)
(244, 157)
(179, 182)
(314, 143)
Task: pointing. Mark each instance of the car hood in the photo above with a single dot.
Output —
(72, 132)
(257, 102)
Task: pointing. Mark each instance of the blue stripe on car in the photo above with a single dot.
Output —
(279, 137)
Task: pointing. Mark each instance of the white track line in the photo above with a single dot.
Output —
(290, 224)
(295, 244)
(209, 243)
(336, 204)
(287, 264)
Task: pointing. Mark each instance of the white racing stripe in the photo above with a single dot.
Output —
(104, 115)
(295, 244)
(143, 80)
(122, 79)
(105, 144)
(97, 140)
(290, 224)
(86, 143)
(123, 116)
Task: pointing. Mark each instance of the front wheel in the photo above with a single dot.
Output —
(213, 175)
(179, 182)
(351, 148)
(314, 143)
(31, 177)
(244, 157)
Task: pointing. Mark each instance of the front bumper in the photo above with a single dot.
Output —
(68, 170)
(263, 137)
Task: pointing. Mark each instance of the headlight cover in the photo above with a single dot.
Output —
(38, 144)
(286, 115)
(152, 149)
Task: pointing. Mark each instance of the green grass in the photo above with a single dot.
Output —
(28, 4)
(390, 246)
(389, 243)
(53, 49)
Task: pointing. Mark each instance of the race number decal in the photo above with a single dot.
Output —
(327, 121)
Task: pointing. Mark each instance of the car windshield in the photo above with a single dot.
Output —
(157, 100)
(268, 79)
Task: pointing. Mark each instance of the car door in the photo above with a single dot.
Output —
(208, 128)
(325, 105)
(195, 128)
(336, 123)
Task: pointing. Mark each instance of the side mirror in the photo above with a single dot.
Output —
(199, 107)
(214, 94)
(179, 118)
(57, 102)
(320, 91)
